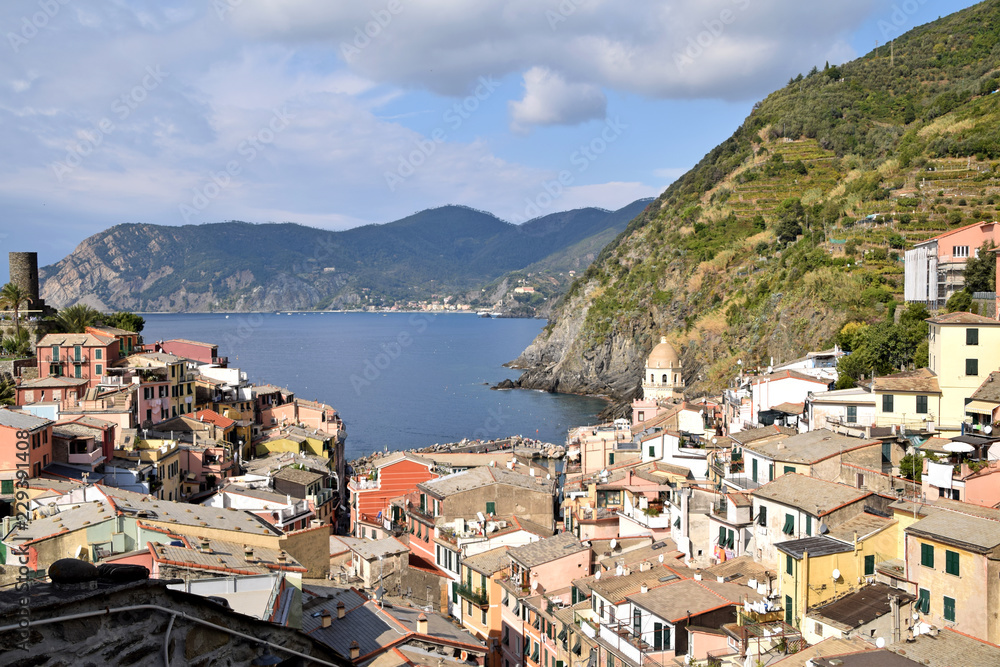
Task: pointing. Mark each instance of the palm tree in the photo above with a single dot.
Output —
(13, 297)
(7, 392)
(75, 318)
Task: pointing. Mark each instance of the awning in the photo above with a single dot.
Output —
(981, 407)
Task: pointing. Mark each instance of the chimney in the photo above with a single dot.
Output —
(355, 650)
(325, 619)
(248, 554)
(644, 588)
(341, 611)
(203, 546)
(422, 624)
(282, 558)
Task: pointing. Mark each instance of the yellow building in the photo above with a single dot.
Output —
(481, 595)
(299, 441)
(165, 455)
(816, 570)
(963, 349)
(911, 398)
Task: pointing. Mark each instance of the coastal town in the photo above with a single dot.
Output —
(783, 522)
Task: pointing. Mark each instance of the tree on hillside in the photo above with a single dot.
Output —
(7, 390)
(75, 318)
(981, 271)
(959, 302)
(884, 348)
(790, 214)
(18, 345)
(12, 297)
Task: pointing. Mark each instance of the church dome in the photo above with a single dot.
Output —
(663, 356)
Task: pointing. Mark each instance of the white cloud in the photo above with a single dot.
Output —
(550, 100)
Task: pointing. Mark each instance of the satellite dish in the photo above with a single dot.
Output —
(661, 558)
(534, 585)
(597, 575)
(614, 543)
(988, 429)
(823, 528)
(880, 642)
(836, 574)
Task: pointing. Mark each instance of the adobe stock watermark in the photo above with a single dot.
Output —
(705, 39)
(32, 24)
(491, 427)
(248, 150)
(901, 17)
(122, 107)
(563, 11)
(370, 31)
(376, 364)
(453, 118)
(581, 158)
(246, 326)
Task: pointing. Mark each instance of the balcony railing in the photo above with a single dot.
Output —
(88, 458)
(476, 596)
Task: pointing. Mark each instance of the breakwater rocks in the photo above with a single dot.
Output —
(528, 447)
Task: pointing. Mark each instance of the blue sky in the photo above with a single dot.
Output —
(334, 114)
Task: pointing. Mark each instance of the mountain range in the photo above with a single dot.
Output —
(237, 266)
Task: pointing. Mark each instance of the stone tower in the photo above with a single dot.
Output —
(24, 274)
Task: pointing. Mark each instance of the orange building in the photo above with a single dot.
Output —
(389, 477)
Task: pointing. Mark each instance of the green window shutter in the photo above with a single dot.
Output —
(869, 565)
(924, 601)
(491, 507)
(809, 524)
(927, 555)
(972, 336)
(949, 608)
(789, 526)
(762, 516)
(886, 402)
(657, 636)
(753, 468)
(921, 405)
(972, 366)
(951, 562)
(611, 458)
(788, 609)
(652, 453)
(722, 536)
(789, 469)
(454, 592)
(7, 487)
(789, 564)
(482, 582)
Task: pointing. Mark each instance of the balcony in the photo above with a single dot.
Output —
(476, 596)
(87, 459)
(619, 637)
(653, 520)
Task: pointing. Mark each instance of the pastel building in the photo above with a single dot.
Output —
(964, 349)
(935, 268)
(80, 356)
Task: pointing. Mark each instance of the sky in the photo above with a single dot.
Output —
(338, 113)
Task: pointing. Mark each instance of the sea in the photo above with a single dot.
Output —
(398, 380)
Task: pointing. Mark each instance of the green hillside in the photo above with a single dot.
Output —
(798, 222)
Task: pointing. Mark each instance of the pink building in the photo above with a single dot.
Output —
(935, 268)
(65, 391)
(205, 353)
(80, 356)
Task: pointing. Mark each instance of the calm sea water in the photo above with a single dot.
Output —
(399, 380)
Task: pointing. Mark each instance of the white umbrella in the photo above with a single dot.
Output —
(959, 448)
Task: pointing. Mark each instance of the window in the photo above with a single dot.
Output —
(611, 660)
(55, 353)
(7, 487)
(789, 526)
(927, 555)
(869, 565)
(652, 450)
(789, 469)
(657, 636)
(960, 251)
(611, 458)
(789, 564)
(98, 369)
(949, 608)
(788, 609)
(809, 525)
(483, 615)
(886, 402)
(921, 405)
(637, 622)
(972, 336)
(951, 563)
(852, 414)
(98, 353)
(770, 472)
(886, 453)
(754, 470)
(972, 366)
(762, 516)
(924, 601)
(491, 508)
